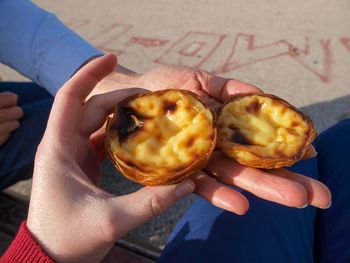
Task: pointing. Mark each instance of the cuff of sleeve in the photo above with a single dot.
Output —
(25, 249)
(62, 60)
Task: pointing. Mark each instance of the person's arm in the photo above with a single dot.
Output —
(36, 44)
(25, 249)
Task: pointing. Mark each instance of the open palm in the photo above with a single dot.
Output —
(281, 186)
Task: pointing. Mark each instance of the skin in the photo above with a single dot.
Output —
(280, 186)
(10, 114)
(76, 221)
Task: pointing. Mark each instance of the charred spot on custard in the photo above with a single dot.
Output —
(239, 138)
(254, 107)
(232, 127)
(160, 137)
(169, 106)
(127, 121)
(294, 124)
(190, 141)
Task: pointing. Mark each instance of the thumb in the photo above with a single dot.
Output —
(134, 209)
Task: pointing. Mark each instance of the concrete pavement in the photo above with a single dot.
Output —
(298, 50)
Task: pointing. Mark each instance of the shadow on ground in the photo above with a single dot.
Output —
(327, 113)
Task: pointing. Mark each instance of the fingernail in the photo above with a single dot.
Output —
(303, 206)
(184, 189)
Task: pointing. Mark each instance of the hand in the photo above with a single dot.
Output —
(280, 186)
(10, 113)
(71, 218)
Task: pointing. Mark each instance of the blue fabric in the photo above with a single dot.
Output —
(271, 232)
(333, 225)
(35, 43)
(17, 154)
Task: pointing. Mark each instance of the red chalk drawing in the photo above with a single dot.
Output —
(192, 50)
(76, 23)
(346, 42)
(246, 52)
(107, 37)
(148, 42)
(316, 58)
(143, 42)
(195, 48)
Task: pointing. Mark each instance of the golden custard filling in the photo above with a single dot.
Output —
(263, 131)
(161, 133)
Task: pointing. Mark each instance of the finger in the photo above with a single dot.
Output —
(8, 127)
(10, 114)
(220, 195)
(318, 194)
(223, 89)
(98, 107)
(233, 87)
(65, 117)
(260, 183)
(83, 82)
(4, 138)
(134, 209)
(8, 99)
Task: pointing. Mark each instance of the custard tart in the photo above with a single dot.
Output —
(264, 131)
(161, 137)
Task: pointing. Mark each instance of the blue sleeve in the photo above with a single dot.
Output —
(36, 44)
